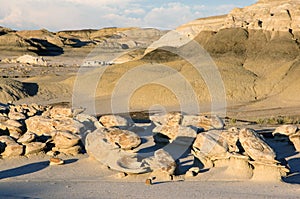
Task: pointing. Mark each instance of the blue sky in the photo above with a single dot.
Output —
(78, 14)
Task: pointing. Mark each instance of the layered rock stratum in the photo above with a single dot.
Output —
(255, 49)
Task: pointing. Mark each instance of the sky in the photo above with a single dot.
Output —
(57, 15)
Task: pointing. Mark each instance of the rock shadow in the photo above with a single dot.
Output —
(23, 170)
(31, 88)
(294, 177)
(45, 48)
(28, 169)
(77, 43)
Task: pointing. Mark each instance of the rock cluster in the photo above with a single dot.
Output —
(243, 153)
(31, 129)
(116, 142)
(240, 151)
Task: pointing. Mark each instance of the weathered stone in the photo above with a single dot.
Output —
(60, 112)
(34, 147)
(16, 115)
(27, 137)
(3, 117)
(97, 146)
(74, 150)
(285, 130)
(67, 124)
(12, 148)
(237, 167)
(268, 172)
(13, 131)
(162, 165)
(13, 123)
(56, 161)
(231, 136)
(295, 139)
(162, 161)
(182, 134)
(206, 145)
(65, 139)
(255, 146)
(40, 125)
(109, 121)
(207, 123)
(169, 119)
(122, 138)
(28, 59)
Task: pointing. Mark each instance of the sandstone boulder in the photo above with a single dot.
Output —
(295, 139)
(34, 147)
(61, 112)
(65, 139)
(207, 149)
(67, 124)
(180, 134)
(169, 119)
(255, 146)
(11, 147)
(40, 125)
(28, 59)
(14, 115)
(98, 147)
(207, 123)
(122, 138)
(115, 121)
(27, 137)
(285, 130)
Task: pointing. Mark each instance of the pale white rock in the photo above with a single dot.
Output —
(162, 162)
(122, 138)
(168, 119)
(60, 112)
(255, 146)
(231, 137)
(12, 148)
(67, 124)
(115, 121)
(265, 172)
(207, 123)
(26, 137)
(40, 125)
(286, 130)
(295, 139)
(13, 131)
(13, 123)
(98, 147)
(16, 115)
(205, 144)
(34, 147)
(180, 134)
(74, 150)
(28, 59)
(65, 139)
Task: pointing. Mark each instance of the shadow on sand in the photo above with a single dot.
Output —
(28, 169)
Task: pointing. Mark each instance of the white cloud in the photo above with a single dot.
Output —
(169, 15)
(77, 14)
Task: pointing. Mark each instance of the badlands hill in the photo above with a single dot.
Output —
(255, 49)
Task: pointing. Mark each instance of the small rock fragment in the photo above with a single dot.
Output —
(56, 161)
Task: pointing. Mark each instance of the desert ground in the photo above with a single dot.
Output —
(242, 67)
